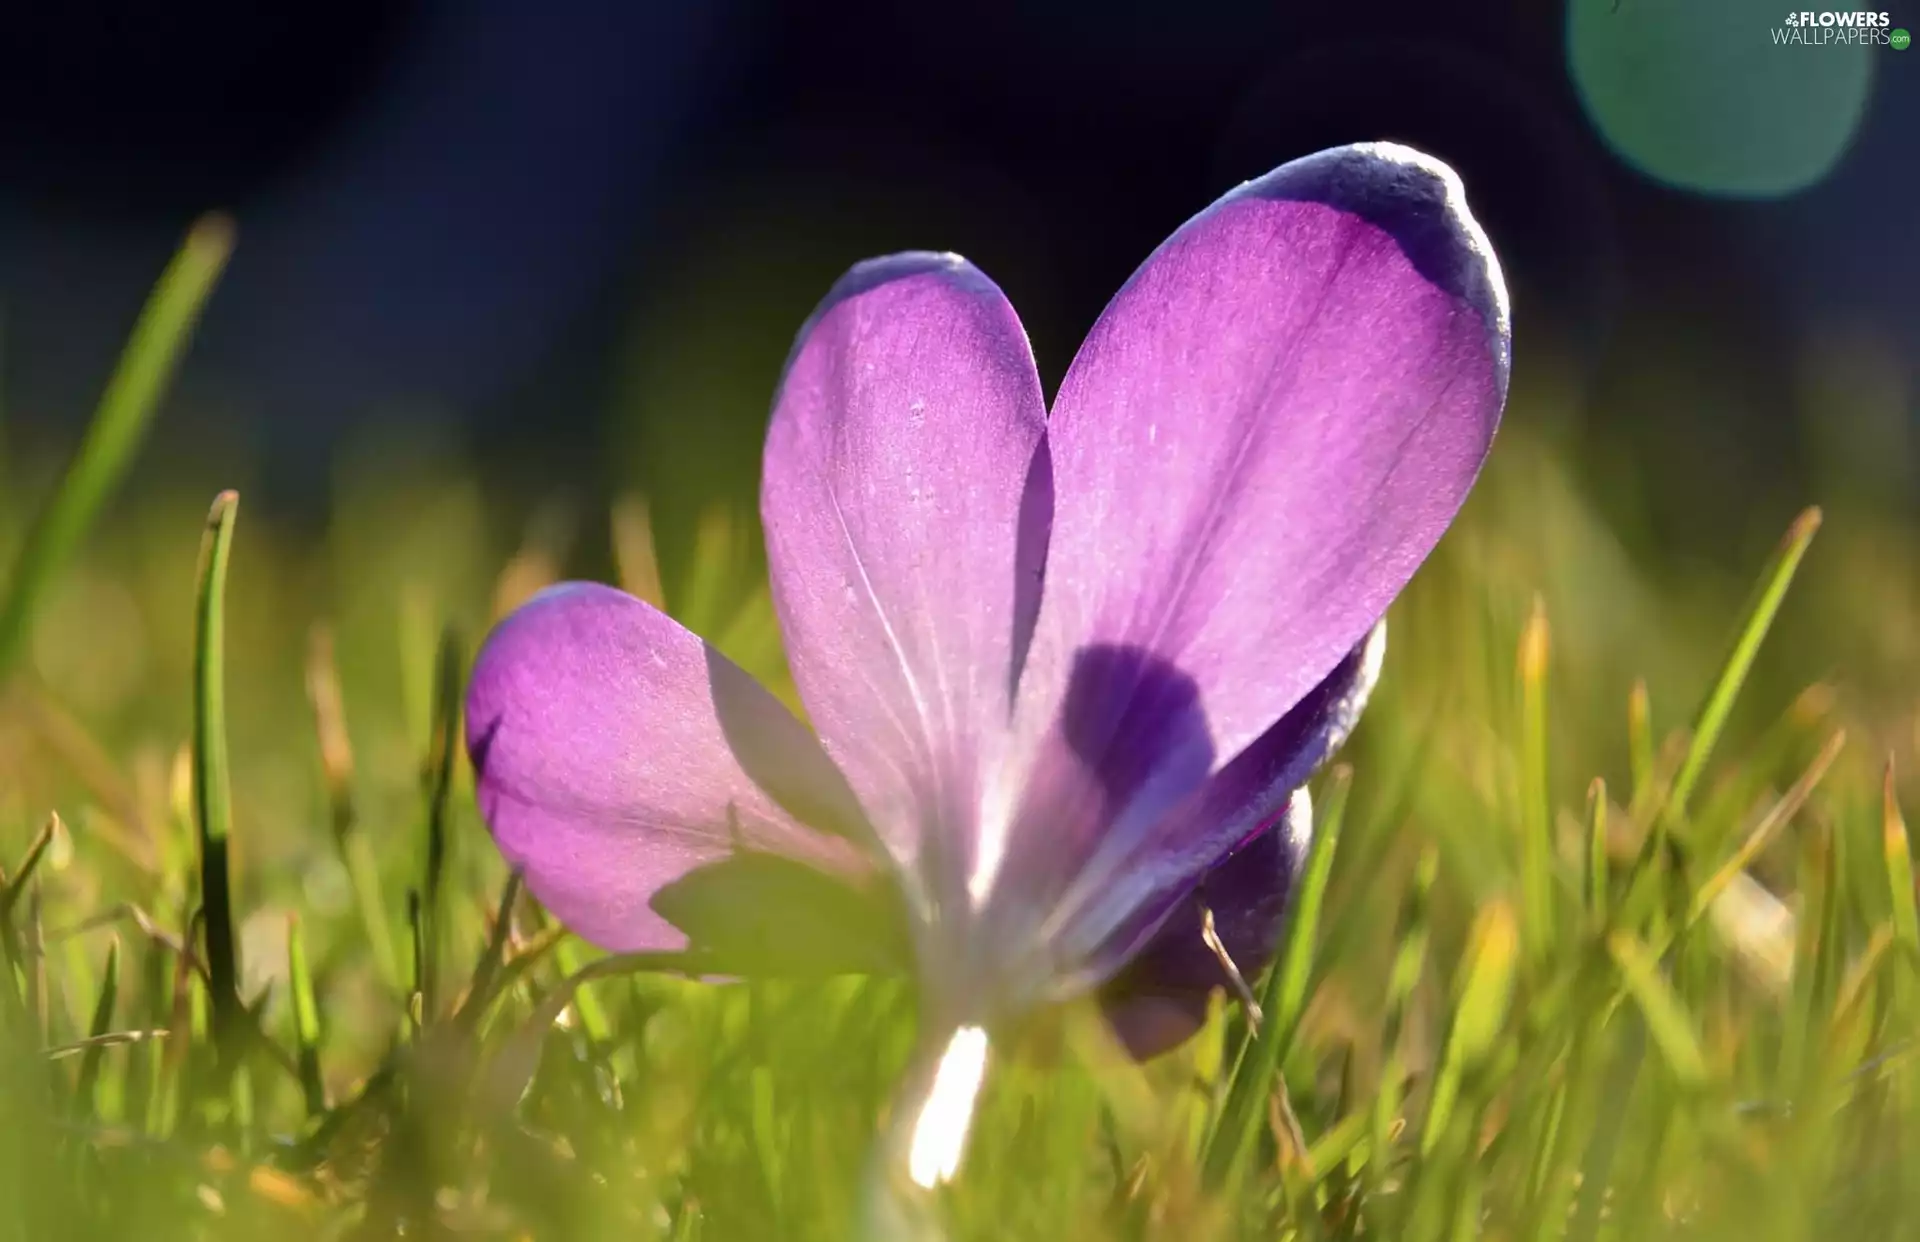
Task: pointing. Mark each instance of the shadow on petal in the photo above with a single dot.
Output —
(1131, 885)
(1030, 557)
(1136, 722)
(781, 755)
(1131, 742)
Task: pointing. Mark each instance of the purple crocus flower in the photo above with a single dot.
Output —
(1067, 671)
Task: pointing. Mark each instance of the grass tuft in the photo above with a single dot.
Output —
(1548, 974)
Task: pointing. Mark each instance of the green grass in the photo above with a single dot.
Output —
(1609, 931)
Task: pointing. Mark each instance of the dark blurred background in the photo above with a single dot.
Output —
(569, 242)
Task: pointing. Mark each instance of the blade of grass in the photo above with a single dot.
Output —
(1777, 748)
(442, 754)
(1283, 1001)
(1597, 854)
(764, 1130)
(1666, 1017)
(143, 923)
(163, 1111)
(18, 989)
(1566, 1145)
(418, 632)
(1603, 1145)
(1286, 999)
(536, 566)
(1776, 818)
(33, 950)
(155, 1078)
(1758, 619)
(1854, 992)
(240, 1097)
(306, 1020)
(1656, 861)
(1337, 1143)
(98, 1032)
(1409, 966)
(77, 978)
(512, 1068)
(119, 425)
(1643, 1203)
(1485, 993)
(593, 1015)
(416, 1010)
(635, 555)
(336, 765)
(1898, 851)
(125, 826)
(1640, 741)
(22, 878)
(106, 1039)
(1553, 1126)
(330, 729)
(212, 788)
(1536, 817)
(146, 1000)
(480, 987)
(702, 605)
(1829, 940)
(512, 972)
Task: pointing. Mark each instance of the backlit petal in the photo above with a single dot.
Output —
(906, 500)
(615, 753)
(1267, 431)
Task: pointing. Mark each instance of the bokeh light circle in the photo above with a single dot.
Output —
(1705, 95)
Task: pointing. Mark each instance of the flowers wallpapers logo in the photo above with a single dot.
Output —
(1838, 28)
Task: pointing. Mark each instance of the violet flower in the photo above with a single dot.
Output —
(1067, 671)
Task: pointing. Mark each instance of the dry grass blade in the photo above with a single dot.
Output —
(111, 1039)
(145, 923)
(125, 829)
(1763, 833)
(443, 753)
(1897, 848)
(22, 878)
(634, 554)
(1536, 813)
(480, 990)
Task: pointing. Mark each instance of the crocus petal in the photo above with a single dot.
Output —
(1266, 432)
(1160, 999)
(906, 502)
(615, 753)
